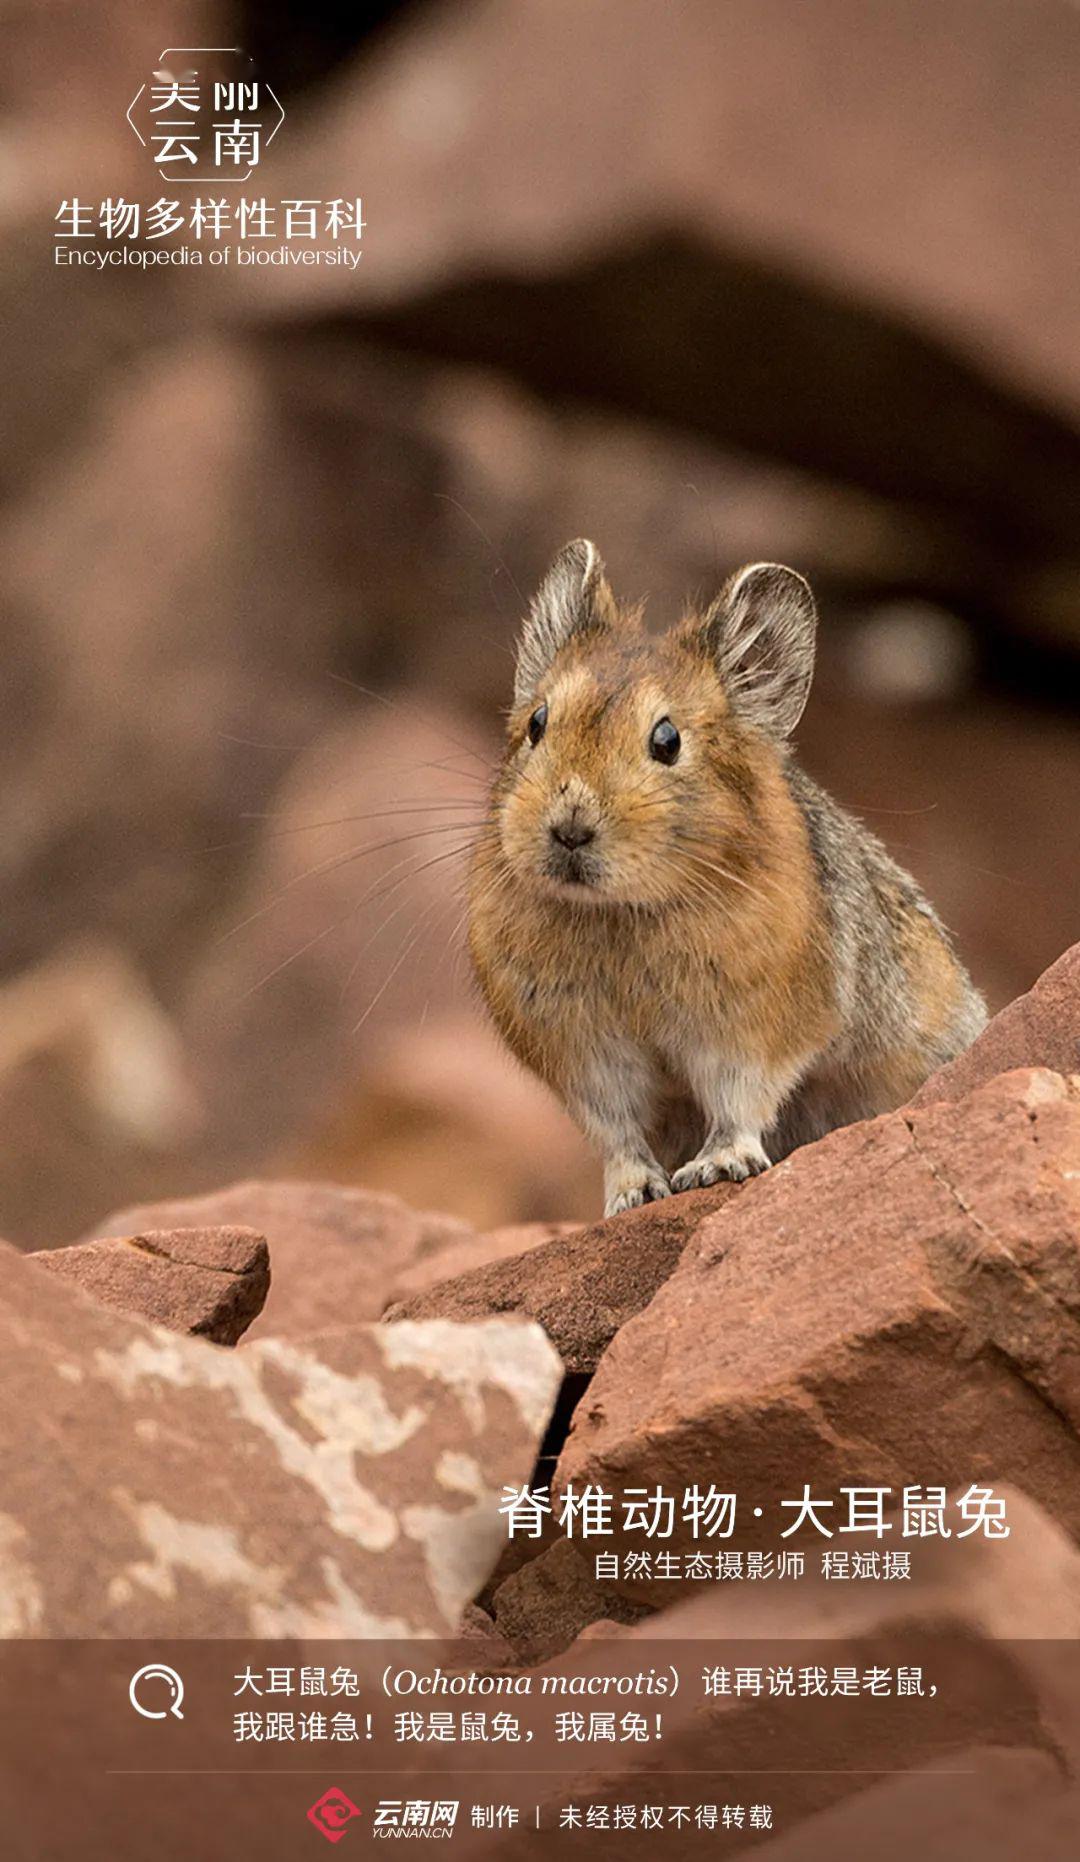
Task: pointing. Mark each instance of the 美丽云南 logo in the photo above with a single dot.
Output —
(203, 114)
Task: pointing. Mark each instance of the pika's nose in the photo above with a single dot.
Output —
(572, 831)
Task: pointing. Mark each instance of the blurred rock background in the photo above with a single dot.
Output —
(708, 281)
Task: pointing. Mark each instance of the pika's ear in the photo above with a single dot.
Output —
(760, 635)
(573, 598)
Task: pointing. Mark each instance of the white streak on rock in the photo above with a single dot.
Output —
(209, 1553)
(511, 1356)
(456, 1546)
(349, 1415)
(460, 1473)
(344, 1614)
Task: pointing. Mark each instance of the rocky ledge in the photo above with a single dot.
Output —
(896, 1304)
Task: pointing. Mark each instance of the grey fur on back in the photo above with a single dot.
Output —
(868, 897)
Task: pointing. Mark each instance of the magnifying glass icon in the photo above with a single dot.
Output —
(157, 1672)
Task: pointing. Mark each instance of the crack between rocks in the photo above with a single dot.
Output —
(1017, 1371)
(142, 1244)
(993, 1347)
(1030, 1279)
(571, 1394)
(951, 1190)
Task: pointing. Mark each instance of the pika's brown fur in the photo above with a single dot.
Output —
(706, 958)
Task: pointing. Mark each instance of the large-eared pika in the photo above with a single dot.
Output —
(707, 959)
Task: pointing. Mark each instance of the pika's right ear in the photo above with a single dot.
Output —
(573, 598)
(760, 634)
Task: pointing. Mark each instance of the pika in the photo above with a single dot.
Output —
(707, 959)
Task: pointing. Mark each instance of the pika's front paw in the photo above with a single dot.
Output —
(627, 1186)
(732, 1163)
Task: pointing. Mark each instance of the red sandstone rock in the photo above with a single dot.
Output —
(1041, 1029)
(546, 1603)
(1006, 1804)
(897, 1304)
(211, 1282)
(583, 1287)
(336, 1252)
(498, 1244)
(991, 1625)
(345, 1485)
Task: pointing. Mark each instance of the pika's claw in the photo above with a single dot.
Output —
(732, 1163)
(633, 1184)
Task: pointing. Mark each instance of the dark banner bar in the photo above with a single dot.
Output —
(214, 1750)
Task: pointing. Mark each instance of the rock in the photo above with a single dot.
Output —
(544, 1605)
(344, 926)
(498, 1244)
(1041, 1029)
(541, 167)
(1006, 1803)
(896, 1304)
(335, 1251)
(482, 1640)
(566, 257)
(345, 1485)
(443, 1116)
(583, 1287)
(991, 1624)
(1019, 1590)
(209, 1282)
(87, 1006)
(517, 1549)
(151, 572)
(96, 1090)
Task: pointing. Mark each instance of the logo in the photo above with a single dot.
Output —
(332, 1813)
(397, 1818)
(173, 1696)
(203, 115)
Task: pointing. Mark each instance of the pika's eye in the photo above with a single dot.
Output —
(538, 724)
(664, 741)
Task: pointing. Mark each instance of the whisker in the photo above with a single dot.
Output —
(410, 946)
(708, 511)
(334, 862)
(399, 704)
(450, 767)
(328, 930)
(445, 498)
(447, 853)
(869, 808)
(254, 743)
(336, 821)
(724, 872)
(702, 891)
(955, 859)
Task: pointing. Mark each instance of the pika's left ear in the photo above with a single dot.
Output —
(573, 598)
(760, 635)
